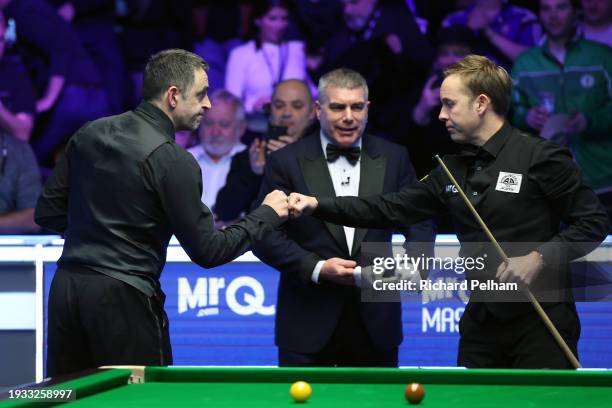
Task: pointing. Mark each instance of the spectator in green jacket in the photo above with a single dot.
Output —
(562, 91)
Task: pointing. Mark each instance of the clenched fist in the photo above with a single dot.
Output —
(300, 204)
(278, 201)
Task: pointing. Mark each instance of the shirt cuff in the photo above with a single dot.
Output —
(358, 276)
(316, 271)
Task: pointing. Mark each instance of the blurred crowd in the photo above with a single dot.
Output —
(63, 63)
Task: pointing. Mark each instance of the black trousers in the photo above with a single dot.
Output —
(97, 320)
(350, 346)
(522, 342)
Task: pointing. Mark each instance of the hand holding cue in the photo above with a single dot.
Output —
(540, 311)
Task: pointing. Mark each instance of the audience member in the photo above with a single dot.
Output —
(94, 23)
(72, 92)
(562, 91)
(454, 43)
(19, 175)
(255, 68)
(220, 132)
(383, 43)
(503, 30)
(292, 109)
(597, 24)
(16, 93)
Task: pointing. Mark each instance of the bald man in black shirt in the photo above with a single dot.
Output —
(118, 194)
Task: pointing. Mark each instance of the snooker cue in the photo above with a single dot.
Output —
(540, 311)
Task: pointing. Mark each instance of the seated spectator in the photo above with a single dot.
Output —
(597, 24)
(94, 23)
(292, 108)
(255, 68)
(19, 186)
(562, 91)
(19, 175)
(70, 84)
(16, 94)
(503, 30)
(220, 132)
(454, 43)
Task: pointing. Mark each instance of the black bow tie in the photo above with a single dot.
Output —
(351, 153)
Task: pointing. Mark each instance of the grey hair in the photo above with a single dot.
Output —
(344, 78)
(225, 96)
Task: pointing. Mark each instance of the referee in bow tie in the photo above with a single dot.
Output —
(320, 318)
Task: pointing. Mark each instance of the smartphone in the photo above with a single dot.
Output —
(274, 132)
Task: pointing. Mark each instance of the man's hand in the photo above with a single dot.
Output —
(282, 141)
(300, 204)
(338, 270)
(577, 123)
(537, 117)
(278, 201)
(430, 96)
(521, 269)
(257, 156)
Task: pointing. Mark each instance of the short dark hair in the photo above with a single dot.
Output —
(483, 76)
(172, 67)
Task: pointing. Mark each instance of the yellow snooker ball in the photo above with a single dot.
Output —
(300, 391)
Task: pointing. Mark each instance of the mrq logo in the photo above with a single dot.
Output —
(244, 296)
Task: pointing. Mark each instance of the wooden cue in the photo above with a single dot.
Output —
(540, 311)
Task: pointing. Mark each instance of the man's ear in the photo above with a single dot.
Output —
(483, 103)
(172, 97)
(317, 109)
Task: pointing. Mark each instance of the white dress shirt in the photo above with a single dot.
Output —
(214, 174)
(345, 178)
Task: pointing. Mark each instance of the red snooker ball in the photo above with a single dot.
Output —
(414, 393)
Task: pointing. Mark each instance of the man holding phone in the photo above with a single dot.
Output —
(291, 117)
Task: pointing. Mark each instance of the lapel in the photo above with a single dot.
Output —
(371, 180)
(318, 180)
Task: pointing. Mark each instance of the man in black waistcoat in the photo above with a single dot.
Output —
(120, 191)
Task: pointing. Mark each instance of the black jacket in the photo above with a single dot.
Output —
(307, 313)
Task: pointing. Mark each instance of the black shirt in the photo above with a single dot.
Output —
(123, 188)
